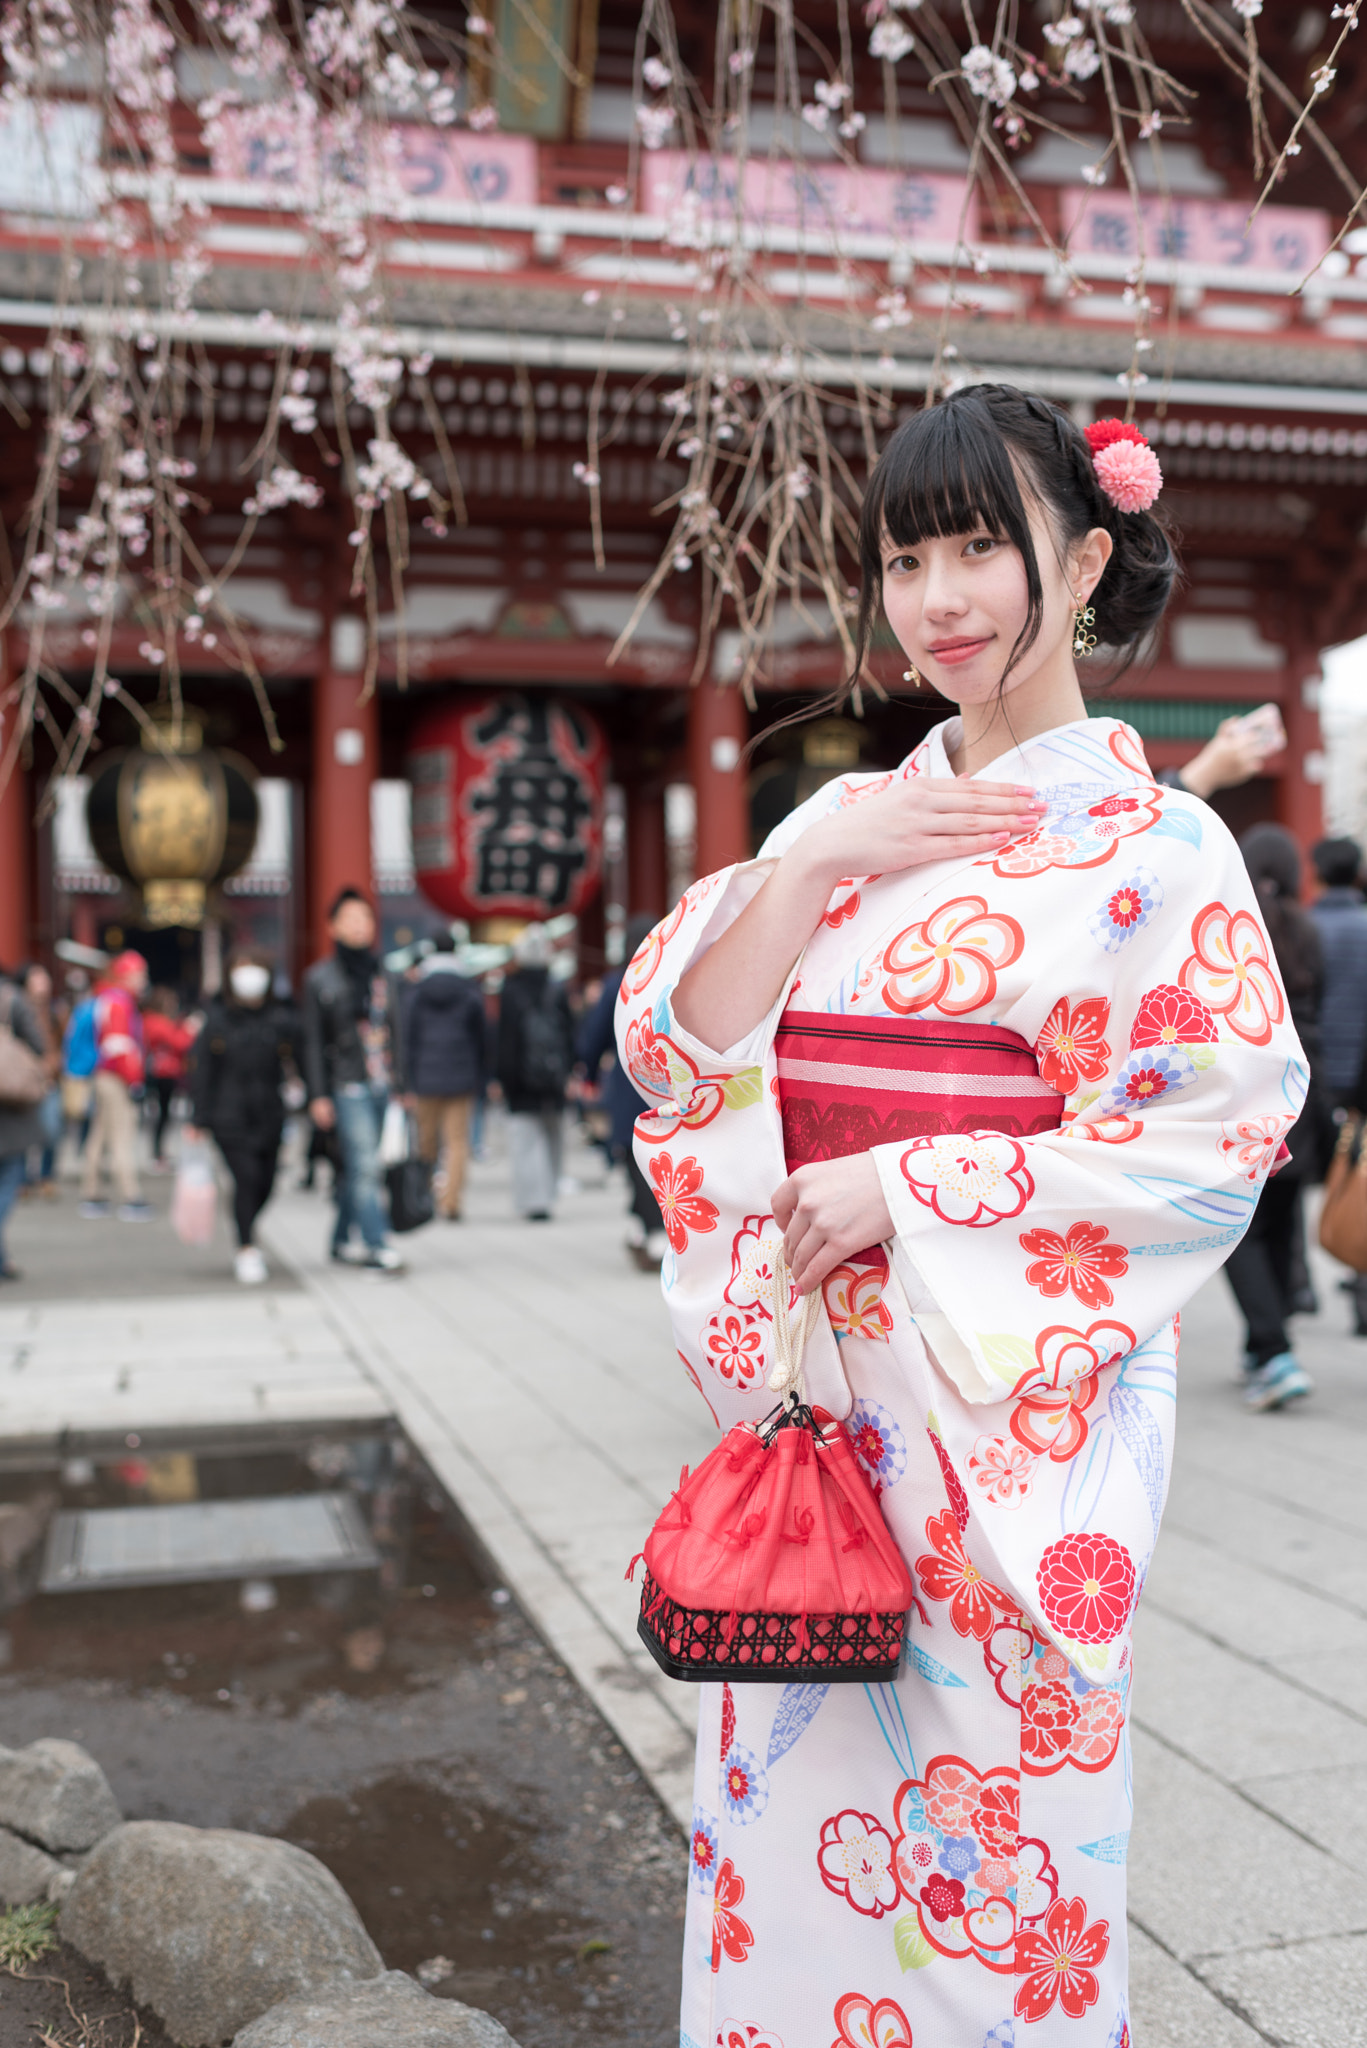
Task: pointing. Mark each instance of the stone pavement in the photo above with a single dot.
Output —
(532, 1366)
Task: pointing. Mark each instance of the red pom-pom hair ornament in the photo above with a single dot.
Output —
(1126, 467)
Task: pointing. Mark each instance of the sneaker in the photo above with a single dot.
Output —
(94, 1211)
(384, 1259)
(249, 1266)
(538, 1216)
(136, 1212)
(348, 1254)
(1279, 1381)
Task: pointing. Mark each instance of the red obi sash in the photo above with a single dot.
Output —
(848, 1083)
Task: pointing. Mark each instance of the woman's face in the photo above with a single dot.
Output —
(959, 605)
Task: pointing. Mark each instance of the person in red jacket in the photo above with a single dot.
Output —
(167, 1039)
(120, 1071)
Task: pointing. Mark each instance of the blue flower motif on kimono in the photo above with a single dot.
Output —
(744, 1786)
(1127, 908)
(959, 1856)
(1145, 1077)
(703, 1855)
(878, 1443)
(1003, 2035)
(1120, 2037)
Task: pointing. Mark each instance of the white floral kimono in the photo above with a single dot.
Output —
(942, 1859)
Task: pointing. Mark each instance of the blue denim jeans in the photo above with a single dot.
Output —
(13, 1168)
(360, 1117)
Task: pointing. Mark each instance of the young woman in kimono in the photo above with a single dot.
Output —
(996, 1046)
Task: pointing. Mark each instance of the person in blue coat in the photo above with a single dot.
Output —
(443, 1065)
(646, 1240)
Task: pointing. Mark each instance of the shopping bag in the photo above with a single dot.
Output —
(394, 1141)
(194, 1201)
(410, 1195)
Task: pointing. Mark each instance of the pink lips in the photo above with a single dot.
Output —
(952, 652)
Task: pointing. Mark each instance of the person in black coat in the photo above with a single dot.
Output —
(1261, 1269)
(646, 1240)
(535, 1056)
(249, 1047)
(443, 1065)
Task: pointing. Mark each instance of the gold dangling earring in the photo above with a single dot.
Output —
(1084, 618)
(912, 675)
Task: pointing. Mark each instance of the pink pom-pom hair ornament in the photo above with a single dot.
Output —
(1126, 467)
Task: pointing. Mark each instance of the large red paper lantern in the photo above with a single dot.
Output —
(508, 806)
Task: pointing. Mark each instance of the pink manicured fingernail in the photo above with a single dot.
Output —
(1024, 789)
(999, 836)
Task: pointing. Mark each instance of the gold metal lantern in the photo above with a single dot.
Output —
(174, 817)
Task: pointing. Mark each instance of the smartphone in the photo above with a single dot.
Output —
(1265, 726)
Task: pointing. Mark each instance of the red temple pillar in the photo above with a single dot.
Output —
(346, 738)
(14, 837)
(647, 854)
(1300, 804)
(718, 728)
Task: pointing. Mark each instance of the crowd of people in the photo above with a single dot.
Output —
(125, 1065)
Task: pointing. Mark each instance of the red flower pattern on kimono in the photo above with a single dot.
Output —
(1066, 1355)
(1087, 1587)
(838, 913)
(740, 2034)
(855, 1861)
(1072, 1046)
(862, 2024)
(643, 963)
(954, 1486)
(662, 1069)
(1049, 1714)
(1172, 1016)
(1251, 1148)
(1049, 1420)
(950, 961)
(855, 1304)
(977, 1179)
(1003, 1472)
(734, 1344)
(978, 1816)
(752, 1267)
(1083, 1260)
(682, 1208)
(1230, 972)
(947, 1573)
(1107, 1130)
(731, 1936)
(1057, 1961)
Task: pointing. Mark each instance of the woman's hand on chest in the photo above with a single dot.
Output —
(828, 1210)
(917, 820)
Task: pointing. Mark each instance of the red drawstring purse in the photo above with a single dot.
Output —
(772, 1562)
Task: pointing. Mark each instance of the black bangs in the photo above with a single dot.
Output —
(939, 477)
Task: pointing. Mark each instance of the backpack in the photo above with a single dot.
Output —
(545, 1060)
(80, 1047)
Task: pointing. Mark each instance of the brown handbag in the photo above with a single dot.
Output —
(1343, 1217)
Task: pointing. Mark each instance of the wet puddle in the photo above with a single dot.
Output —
(406, 1726)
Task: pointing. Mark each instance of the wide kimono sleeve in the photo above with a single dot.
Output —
(1051, 1256)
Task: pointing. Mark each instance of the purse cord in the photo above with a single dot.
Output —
(790, 1341)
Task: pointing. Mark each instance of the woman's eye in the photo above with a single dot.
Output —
(982, 543)
(902, 562)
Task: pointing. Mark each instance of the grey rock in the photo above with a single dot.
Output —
(212, 1927)
(26, 1873)
(389, 2012)
(56, 1794)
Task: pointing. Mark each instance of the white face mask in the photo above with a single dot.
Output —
(250, 982)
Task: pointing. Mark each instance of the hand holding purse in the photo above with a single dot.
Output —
(772, 1562)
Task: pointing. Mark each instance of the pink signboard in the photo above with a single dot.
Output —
(259, 146)
(820, 197)
(1291, 239)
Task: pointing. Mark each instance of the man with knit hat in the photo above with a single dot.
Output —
(120, 1069)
